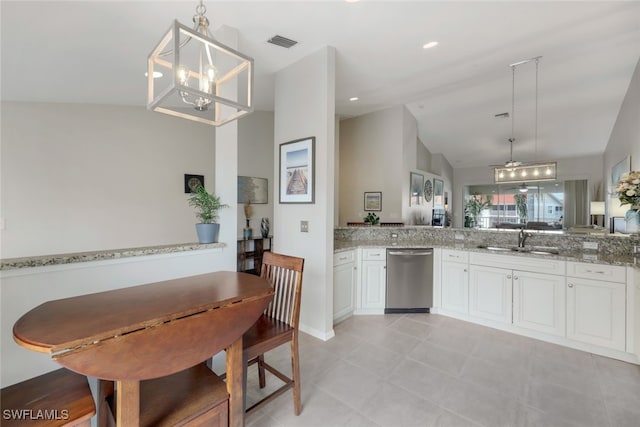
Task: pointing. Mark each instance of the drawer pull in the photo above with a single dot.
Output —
(595, 271)
(343, 258)
(570, 285)
(508, 276)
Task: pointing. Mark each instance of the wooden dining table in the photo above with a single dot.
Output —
(150, 331)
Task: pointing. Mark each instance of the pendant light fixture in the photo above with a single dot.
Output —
(203, 79)
(514, 171)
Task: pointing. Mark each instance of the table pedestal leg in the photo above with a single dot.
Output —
(236, 372)
(127, 403)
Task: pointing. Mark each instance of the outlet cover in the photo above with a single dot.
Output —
(590, 245)
(304, 226)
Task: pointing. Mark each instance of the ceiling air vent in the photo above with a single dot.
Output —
(282, 41)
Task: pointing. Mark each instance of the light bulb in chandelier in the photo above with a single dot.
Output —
(182, 75)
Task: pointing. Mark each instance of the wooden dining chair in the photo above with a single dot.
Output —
(278, 324)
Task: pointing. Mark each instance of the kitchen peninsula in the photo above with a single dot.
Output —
(553, 289)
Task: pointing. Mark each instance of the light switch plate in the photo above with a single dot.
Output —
(590, 245)
(304, 226)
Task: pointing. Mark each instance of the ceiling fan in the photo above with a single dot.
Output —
(511, 163)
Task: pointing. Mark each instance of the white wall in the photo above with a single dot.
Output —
(370, 160)
(305, 106)
(90, 177)
(625, 137)
(255, 158)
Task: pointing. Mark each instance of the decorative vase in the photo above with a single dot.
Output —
(632, 217)
(264, 227)
(207, 233)
(247, 233)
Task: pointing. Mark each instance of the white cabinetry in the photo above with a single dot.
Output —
(344, 284)
(373, 279)
(490, 293)
(518, 294)
(596, 304)
(539, 302)
(454, 286)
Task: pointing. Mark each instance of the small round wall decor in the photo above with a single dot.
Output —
(428, 190)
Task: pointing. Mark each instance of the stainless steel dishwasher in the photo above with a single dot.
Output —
(409, 280)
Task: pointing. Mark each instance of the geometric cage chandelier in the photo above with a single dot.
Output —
(193, 76)
(514, 171)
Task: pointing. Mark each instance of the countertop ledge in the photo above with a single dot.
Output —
(575, 256)
(70, 258)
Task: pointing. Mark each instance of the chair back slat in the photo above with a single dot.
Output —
(285, 274)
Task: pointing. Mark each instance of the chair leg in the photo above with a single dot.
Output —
(106, 389)
(261, 378)
(295, 374)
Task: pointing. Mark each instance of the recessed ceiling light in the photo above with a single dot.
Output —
(430, 45)
(156, 74)
(354, 98)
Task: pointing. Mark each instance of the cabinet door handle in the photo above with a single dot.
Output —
(570, 285)
(508, 276)
(515, 277)
(465, 270)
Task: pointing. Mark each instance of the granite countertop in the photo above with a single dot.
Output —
(576, 256)
(70, 258)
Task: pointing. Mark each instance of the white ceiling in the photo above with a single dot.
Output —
(95, 52)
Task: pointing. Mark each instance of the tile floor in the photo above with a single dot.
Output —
(429, 370)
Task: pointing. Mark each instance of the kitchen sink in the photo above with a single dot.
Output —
(497, 248)
(529, 250)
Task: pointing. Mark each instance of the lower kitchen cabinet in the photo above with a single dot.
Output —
(373, 282)
(455, 282)
(374, 279)
(596, 312)
(344, 285)
(539, 302)
(490, 293)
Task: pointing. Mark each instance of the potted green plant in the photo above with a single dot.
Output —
(371, 219)
(207, 206)
(474, 206)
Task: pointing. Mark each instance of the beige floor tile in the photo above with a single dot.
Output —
(376, 359)
(394, 407)
(421, 379)
(409, 326)
(483, 406)
(567, 404)
(501, 378)
(439, 357)
(348, 383)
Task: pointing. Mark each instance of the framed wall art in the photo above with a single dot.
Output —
(416, 184)
(297, 171)
(192, 182)
(617, 170)
(253, 190)
(373, 201)
(438, 193)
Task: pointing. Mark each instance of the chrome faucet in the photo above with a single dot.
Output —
(522, 237)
